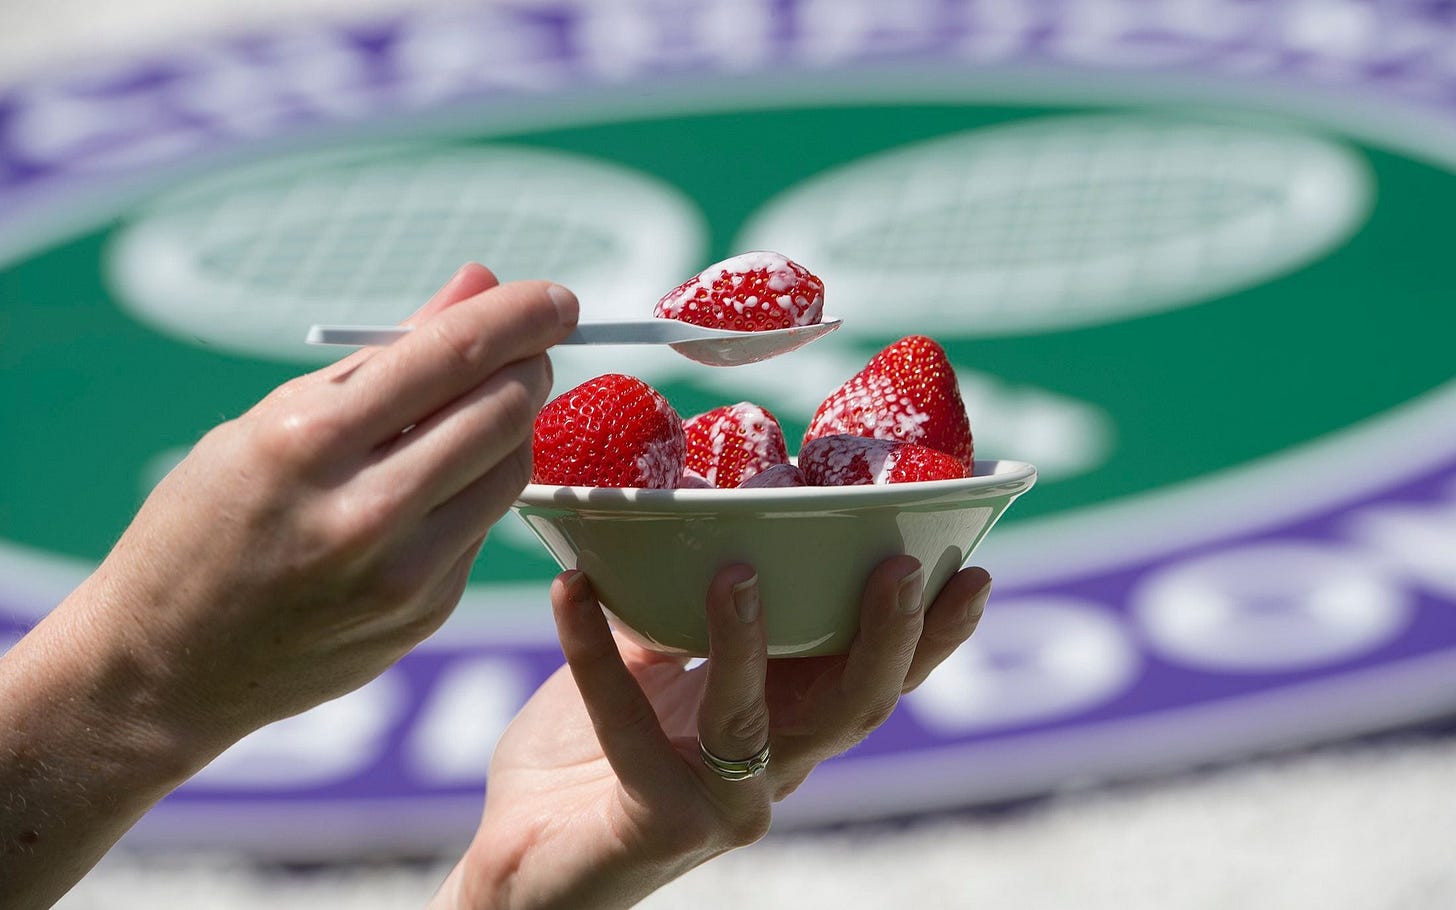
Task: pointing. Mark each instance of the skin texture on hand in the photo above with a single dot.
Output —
(597, 794)
(295, 554)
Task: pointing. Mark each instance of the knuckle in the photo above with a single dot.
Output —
(875, 715)
(469, 350)
(216, 444)
(746, 727)
(358, 523)
(422, 623)
(941, 641)
(749, 826)
(296, 436)
(288, 389)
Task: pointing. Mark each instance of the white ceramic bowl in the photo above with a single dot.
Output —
(650, 554)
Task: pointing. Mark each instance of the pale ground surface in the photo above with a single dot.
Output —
(1356, 828)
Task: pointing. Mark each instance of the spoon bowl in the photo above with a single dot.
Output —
(712, 347)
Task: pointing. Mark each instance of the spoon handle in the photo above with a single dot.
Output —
(356, 334)
(641, 331)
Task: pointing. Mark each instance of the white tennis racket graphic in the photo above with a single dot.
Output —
(247, 260)
(1066, 221)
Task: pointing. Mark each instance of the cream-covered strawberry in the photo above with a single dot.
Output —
(752, 292)
(840, 460)
(730, 444)
(907, 392)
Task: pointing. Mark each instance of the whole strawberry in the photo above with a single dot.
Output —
(611, 431)
(840, 461)
(908, 391)
(730, 444)
(752, 292)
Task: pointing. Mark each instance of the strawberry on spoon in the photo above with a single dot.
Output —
(743, 310)
(751, 292)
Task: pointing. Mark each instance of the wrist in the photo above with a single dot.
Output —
(485, 876)
(116, 690)
(449, 896)
(538, 872)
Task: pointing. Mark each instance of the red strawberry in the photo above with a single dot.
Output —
(611, 431)
(907, 392)
(752, 292)
(780, 475)
(838, 461)
(730, 444)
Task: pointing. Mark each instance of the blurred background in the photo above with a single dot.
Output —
(1191, 258)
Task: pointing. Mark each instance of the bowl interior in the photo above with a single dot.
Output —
(650, 554)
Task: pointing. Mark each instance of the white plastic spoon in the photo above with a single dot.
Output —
(714, 347)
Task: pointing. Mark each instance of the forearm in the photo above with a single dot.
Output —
(87, 746)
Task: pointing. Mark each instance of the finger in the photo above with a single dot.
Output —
(470, 279)
(733, 720)
(949, 622)
(458, 445)
(439, 596)
(635, 655)
(472, 512)
(891, 619)
(449, 355)
(626, 725)
(452, 584)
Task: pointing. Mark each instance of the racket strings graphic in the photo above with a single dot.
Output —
(1029, 230)
(364, 233)
(247, 261)
(1067, 221)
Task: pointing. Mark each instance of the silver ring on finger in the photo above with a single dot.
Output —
(745, 769)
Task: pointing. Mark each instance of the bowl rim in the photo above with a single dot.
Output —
(992, 477)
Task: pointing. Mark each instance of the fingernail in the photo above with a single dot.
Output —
(977, 604)
(578, 589)
(911, 591)
(567, 308)
(745, 599)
